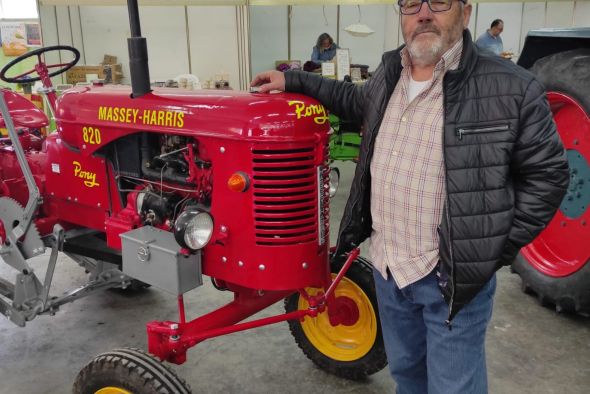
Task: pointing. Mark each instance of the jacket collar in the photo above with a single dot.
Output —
(392, 63)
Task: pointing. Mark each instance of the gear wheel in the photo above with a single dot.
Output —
(11, 214)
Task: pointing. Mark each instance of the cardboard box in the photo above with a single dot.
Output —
(78, 73)
(109, 59)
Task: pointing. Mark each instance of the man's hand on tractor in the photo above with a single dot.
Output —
(269, 80)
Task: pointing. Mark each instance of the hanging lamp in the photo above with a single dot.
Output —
(359, 29)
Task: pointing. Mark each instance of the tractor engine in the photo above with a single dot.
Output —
(164, 173)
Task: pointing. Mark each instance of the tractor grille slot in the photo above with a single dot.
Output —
(285, 196)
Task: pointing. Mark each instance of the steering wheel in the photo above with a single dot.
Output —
(41, 68)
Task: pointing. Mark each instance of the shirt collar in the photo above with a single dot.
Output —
(449, 60)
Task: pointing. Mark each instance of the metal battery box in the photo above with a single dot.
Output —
(153, 256)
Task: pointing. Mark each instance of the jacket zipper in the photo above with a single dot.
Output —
(447, 211)
(476, 130)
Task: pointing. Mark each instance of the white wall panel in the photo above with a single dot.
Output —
(391, 39)
(105, 31)
(533, 18)
(214, 43)
(307, 23)
(510, 13)
(77, 34)
(560, 14)
(582, 14)
(165, 31)
(268, 37)
(48, 25)
(473, 19)
(63, 25)
(364, 50)
(49, 35)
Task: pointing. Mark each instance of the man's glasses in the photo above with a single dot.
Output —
(411, 7)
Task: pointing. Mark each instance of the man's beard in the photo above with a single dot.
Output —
(424, 52)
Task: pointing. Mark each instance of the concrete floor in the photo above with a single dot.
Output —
(530, 349)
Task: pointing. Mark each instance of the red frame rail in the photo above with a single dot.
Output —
(170, 340)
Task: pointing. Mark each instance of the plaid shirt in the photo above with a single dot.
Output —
(408, 177)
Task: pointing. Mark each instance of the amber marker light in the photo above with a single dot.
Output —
(238, 182)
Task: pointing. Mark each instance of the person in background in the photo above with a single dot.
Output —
(324, 50)
(490, 40)
(460, 166)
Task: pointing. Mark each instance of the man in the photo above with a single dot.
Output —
(490, 40)
(460, 167)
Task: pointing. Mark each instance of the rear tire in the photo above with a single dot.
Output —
(567, 73)
(366, 353)
(569, 294)
(128, 371)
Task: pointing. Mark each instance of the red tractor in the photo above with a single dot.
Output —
(556, 265)
(143, 187)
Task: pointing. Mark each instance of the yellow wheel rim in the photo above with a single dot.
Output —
(113, 390)
(342, 343)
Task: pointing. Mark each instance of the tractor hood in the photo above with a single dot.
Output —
(219, 113)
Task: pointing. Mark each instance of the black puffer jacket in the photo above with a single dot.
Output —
(506, 169)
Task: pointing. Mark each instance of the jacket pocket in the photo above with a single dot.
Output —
(462, 131)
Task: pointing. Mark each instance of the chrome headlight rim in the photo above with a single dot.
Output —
(190, 222)
(334, 181)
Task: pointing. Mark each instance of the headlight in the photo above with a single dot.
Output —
(334, 181)
(193, 229)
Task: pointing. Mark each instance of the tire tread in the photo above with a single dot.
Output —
(130, 364)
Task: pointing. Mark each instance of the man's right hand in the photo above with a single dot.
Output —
(269, 80)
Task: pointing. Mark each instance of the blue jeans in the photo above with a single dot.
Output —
(424, 355)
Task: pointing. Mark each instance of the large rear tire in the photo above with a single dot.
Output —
(556, 265)
(128, 371)
(566, 72)
(354, 350)
(570, 293)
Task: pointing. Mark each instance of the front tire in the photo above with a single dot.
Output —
(352, 351)
(128, 371)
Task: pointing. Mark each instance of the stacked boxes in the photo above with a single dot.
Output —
(109, 70)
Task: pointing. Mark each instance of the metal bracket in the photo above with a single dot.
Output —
(31, 297)
(58, 241)
(35, 198)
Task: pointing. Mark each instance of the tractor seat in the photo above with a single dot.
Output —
(23, 112)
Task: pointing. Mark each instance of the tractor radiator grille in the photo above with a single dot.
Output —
(285, 186)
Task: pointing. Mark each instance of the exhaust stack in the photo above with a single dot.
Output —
(138, 57)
